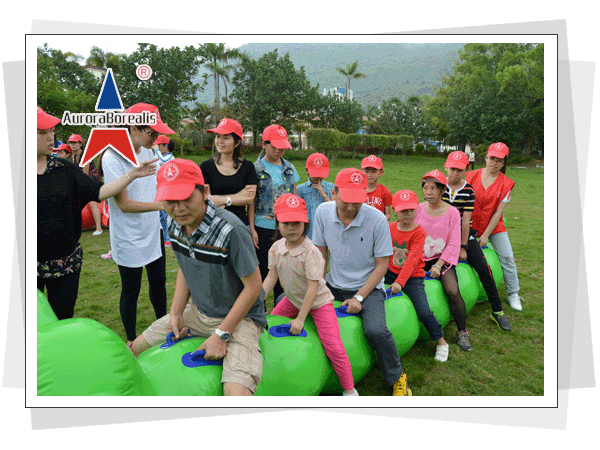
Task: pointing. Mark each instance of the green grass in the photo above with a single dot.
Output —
(500, 363)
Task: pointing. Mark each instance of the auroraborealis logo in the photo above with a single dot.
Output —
(112, 115)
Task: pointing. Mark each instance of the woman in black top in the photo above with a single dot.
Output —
(63, 190)
(231, 181)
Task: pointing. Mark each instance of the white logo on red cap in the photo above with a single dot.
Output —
(171, 171)
(222, 123)
(499, 145)
(372, 158)
(318, 162)
(356, 178)
(435, 172)
(457, 155)
(405, 196)
(292, 202)
(281, 131)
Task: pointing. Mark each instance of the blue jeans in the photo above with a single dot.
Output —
(415, 289)
(163, 223)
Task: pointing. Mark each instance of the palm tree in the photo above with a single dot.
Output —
(350, 73)
(104, 60)
(215, 53)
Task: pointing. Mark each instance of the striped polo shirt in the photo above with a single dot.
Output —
(462, 199)
(214, 259)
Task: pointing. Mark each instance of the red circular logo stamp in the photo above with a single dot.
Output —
(405, 196)
(171, 172)
(222, 123)
(293, 202)
(143, 72)
(356, 178)
(457, 155)
(318, 162)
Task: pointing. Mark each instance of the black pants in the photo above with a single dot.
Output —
(62, 293)
(265, 241)
(131, 283)
(476, 259)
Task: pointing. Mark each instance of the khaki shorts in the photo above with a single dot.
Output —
(243, 361)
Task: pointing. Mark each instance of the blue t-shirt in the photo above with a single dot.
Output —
(276, 172)
(313, 199)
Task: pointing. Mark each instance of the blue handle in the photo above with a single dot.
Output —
(170, 342)
(284, 330)
(484, 247)
(390, 295)
(342, 312)
(196, 359)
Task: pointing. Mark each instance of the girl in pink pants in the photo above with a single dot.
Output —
(299, 266)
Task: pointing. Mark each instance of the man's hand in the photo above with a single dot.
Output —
(176, 325)
(215, 347)
(354, 306)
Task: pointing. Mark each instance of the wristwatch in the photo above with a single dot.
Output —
(359, 298)
(224, 335)
(228, 202)
(466, 247)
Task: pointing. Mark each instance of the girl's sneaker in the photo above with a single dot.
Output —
(462, 340)
(441, 353)
(514, 300)
(107, 255)
(354, 394)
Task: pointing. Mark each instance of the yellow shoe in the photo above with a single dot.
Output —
(400, 387)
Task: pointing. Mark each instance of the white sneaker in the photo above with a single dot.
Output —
(354, 394)
(97, 233)
(514, 301)
(441, 353)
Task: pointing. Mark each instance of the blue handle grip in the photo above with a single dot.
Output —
(284, 330)
(196, 359)
(388, 293)
(342, 312)
(170, 342)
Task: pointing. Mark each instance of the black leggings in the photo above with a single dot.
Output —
(131, 283)
(457, 304)
(62, 293)
(265, 241)
(476, 259)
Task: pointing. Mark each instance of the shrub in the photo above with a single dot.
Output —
(420, 148)
(432, 151)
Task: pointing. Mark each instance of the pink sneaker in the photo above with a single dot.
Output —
(107, 255)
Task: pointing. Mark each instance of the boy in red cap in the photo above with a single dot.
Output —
(164, 153)
(405, 269)
(63, 190)
(64, 151)
(355, 239)
(378, 195)
(461, 195)
(135, 231)
(218, 270)
(316, 190)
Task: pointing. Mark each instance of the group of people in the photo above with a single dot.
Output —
(241, 230)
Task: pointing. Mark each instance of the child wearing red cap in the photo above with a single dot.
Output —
(64, 151)
(405, 270)
(461, 195)
(378, 195)
(493, 191)
(316, 190)
(441, 223)
(299, 266)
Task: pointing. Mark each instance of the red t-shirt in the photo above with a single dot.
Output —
(380, 198)
(488, 200)
(407, 260)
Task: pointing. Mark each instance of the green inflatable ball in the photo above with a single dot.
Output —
(83, 357)
(438, 303)
(292, 365)
(175, 369)
(401, 320)
(45, 314)
(467, 284)
(360, 353)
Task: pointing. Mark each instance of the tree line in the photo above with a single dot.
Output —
(493, 92)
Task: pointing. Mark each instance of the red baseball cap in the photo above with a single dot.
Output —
(160, 126)
(65, 147)
(277, 136)
(45, 120)
(439, 176)
(317, 165)
(227, 126)
(177, 179)
(498, 150)
(74, 138)
(352, 185)
(162, 139)
(458, 160)
(372, 161)
(290, 208)
(405, 199)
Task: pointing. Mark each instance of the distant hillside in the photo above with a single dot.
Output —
(393, 70)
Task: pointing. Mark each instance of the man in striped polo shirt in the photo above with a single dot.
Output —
(461, 195)
(219, 270)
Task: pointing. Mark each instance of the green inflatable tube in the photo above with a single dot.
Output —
(467, 284)
(45, 314)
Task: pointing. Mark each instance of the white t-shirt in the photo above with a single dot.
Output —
(134, 237)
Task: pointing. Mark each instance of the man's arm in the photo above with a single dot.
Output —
(181, 297)
(381, 266)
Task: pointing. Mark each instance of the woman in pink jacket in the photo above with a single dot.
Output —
(441, 222)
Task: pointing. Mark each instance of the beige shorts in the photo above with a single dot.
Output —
(243, 361)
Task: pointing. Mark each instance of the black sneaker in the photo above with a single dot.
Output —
(501, 320)
(462, 340)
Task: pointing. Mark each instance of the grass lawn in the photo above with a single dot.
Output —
(499, 363)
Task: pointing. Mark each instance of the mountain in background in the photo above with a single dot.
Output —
(392, 70)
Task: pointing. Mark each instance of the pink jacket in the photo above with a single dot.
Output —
(443, 235)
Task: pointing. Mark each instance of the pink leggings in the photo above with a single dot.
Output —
(329, 332)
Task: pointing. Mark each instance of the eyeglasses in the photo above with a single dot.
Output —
(153, 135)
